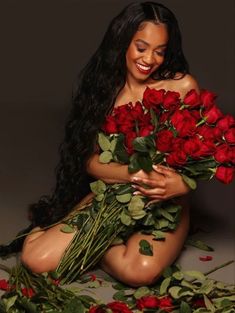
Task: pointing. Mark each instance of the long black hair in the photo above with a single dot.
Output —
(97, 87)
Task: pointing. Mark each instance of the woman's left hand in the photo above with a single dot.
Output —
(170, 182)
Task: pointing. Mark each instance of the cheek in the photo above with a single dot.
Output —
(131, 54)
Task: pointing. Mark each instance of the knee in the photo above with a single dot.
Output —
(35, 262)
(142, 272)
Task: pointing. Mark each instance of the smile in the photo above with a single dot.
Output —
(143, 68)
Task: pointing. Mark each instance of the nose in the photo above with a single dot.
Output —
(148, 58)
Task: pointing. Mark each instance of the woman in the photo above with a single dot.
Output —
(142, 47)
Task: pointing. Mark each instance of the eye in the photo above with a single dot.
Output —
(160, 53)
(140, 49)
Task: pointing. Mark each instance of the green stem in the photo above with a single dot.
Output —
(219, 267)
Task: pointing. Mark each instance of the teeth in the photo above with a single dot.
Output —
(143, 67)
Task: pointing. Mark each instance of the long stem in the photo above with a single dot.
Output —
(219, 267)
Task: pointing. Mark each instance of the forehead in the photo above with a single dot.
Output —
(153, 34)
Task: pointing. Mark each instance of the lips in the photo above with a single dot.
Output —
(143, 68)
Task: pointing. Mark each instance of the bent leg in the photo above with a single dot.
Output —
(43, 250)
(125, 262)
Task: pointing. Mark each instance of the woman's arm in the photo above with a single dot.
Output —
(110, 173)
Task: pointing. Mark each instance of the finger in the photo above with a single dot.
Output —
(151, 191)
(145, 181)
(153, 201)
(163, 170)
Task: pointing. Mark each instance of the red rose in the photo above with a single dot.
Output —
(177, 143)
(171, 101)
(229, 136)
(147, 302)
(222, 154)
(226, 122)
(207, 148)
(128, 141)
(28, 292)
(97, 309)
(232, 155)
(210, 133)
(146, 130)
(184, 123)
(207, 98)
(176, 158)
(212, 114)
(192, 99)
(144, 120)
(119, 307)
(164, 140)
(152, 97)
(224, 174)
(166, 304)
(137, 110)
(4, 284)
(110, 126)
(164, 117)
(199, 303)
(192, 147)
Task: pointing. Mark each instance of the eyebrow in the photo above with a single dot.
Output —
(147, 44)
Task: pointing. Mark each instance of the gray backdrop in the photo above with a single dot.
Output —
(43, 46)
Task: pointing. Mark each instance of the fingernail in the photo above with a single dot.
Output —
(133, 186)
(135, 179)
(136, 193)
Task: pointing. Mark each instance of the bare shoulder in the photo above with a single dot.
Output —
(184, 84)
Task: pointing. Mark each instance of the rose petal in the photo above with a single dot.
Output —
(205, 258)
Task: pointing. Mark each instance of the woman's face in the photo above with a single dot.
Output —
(146, 50)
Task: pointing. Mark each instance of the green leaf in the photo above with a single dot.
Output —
(93, 284)
(174, 291)
(105, 157)
(140, 144)
(207, 286)
(134, 165)
(167, 215)
(154, 119)
(119, 295)
(189, 181)
(9, 302)
(98, 187)
(99, 197)
(195, 274)
(141, 292)
(103, 141)
(185, 308)
(145, 247)
(167, 272)
(74, 306)
(187, 284)
(209, 304)
(198, 244)
(161, 223)
(164, 285)
(178, 275)
(67, 229)
(145, 163)
(159, 235)
(136, 204)
(125, 218)
(137, 215)
(113, 145)
(125, 198)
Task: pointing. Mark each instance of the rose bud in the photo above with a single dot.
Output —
(226, 122)
(192, 99)
(207, 98)
(153, 97)
(230, 136)
(147, 302)
(212, 114)
(222, 153)
(224, 174)
(171, 101)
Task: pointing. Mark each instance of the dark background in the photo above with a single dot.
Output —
(43, 46)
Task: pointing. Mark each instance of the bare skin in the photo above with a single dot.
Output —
(43, 250)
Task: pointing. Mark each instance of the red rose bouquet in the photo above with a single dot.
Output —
(192, 136)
